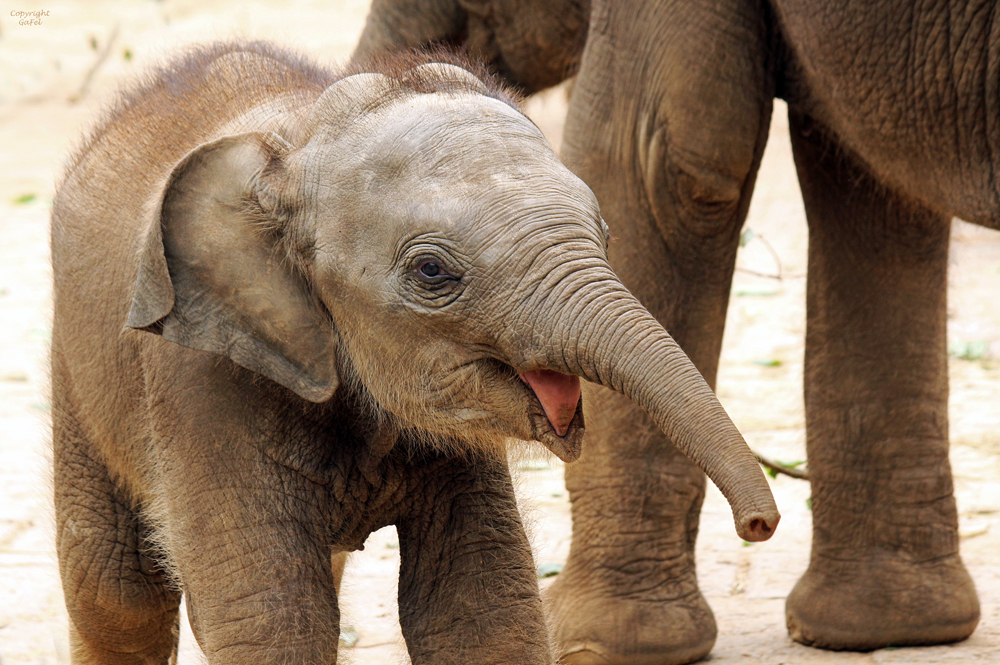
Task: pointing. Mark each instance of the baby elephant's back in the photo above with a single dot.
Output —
(107, 200)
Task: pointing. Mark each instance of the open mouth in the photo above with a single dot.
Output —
(560, 425)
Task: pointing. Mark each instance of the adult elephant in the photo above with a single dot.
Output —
(895, 119)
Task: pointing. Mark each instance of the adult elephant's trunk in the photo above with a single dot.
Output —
(602, 334)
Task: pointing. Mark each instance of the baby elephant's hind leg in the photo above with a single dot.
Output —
(121, 606)
(337, 563)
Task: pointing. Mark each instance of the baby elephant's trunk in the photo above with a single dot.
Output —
(604, 335)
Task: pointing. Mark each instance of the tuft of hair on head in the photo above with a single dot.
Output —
(399, 65)
(166, 89)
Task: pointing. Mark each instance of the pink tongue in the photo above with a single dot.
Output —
(558, 393)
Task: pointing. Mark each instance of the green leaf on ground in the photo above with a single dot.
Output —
(549, 570)
(760, 293)
(25, 199)
(787, 465)
(773, 362)
(974, 350)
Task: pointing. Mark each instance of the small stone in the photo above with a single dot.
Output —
(973, 529)
(349, 636)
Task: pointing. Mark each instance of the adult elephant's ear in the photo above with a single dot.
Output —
(213, 275)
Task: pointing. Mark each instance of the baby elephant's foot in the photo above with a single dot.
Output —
(591, 627)
(873, 603)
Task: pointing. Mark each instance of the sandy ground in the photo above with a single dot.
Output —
(43, 66)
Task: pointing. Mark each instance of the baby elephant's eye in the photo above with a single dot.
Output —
(430, 269)
(433, 282)
(431, 273)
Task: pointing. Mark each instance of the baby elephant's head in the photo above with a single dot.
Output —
(415, 237)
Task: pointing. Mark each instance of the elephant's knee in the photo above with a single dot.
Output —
(698, 197)
(698, 206)
(708, 194)
(123, 620)
(117, 596)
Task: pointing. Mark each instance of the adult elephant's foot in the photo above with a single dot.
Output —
(594, 628)
(629, 593)
(869, 604)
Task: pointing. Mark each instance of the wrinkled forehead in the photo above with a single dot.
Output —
(459, 163)
(470, 146)
(458, 136)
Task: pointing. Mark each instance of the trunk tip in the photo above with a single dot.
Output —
(758, 526)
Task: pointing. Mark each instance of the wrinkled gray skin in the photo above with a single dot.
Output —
(531, 44)
(252, 368)
(895, 126)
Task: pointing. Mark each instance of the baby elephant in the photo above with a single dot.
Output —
(293, 306)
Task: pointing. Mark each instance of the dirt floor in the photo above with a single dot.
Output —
(51, 87)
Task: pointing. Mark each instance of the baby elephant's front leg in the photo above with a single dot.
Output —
(468, 592)
(252, 553)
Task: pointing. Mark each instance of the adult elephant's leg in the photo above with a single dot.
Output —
(667, 125)
(885, 568)
(468, 592)
(122, 608)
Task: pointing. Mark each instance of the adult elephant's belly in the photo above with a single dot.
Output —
(919, 106)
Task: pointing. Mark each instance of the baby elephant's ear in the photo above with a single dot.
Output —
(213, 277)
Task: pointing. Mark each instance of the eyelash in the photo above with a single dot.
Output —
(441, 277)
